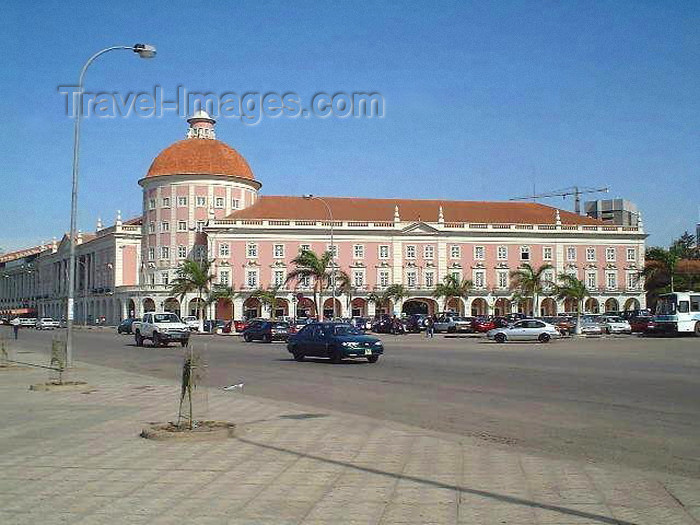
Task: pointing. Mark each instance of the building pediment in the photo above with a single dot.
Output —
(420, 227)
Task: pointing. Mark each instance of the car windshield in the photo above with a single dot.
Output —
(345, 329)
(666, 305)
(166, 318)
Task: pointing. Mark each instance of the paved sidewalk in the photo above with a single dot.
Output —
(74, 457)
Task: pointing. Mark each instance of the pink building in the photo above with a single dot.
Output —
(201, 200)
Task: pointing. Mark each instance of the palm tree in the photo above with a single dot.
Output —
(570, 287)
(268, 298)
(221, 291)
(530, 282)
(193, 276)
(345, 285)
(394, 293)
(451, 287)
(309, 265)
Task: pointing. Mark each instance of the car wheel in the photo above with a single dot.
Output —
(373, 358)
(500, 338)
(697, 329)
(607, 331)
(451, 329)
(544, 338)
(247, 338)
(298, 356)
(184, 342)
(267, 338)
(139, 339)
(156, 340)
(335, 356)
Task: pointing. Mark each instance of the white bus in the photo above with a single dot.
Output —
(678, 312)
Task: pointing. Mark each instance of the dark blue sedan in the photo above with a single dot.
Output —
(335, 341)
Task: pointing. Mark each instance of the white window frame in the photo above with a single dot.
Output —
(219, 202)
(278, 254)
(151, 253)
(200, 201)
(410, 251)
(502, 279)
(278, 273)
(224, 249)
(502, 253)
(151, 227)
(632, 281)
(590, 254)
(429, 278)
(181, 201)
(358, 278)
(569, 251)
(182, 226)
(547, 253)
(479, 253)
(525, 250)
(165, 252)
(166, 202)
(251, 250)
(384, 248)
(455, 251)
(201, 225)
(631, 254)
(411, 275)
(304, 247)
(611, 284)
(224, 277)
(358, 251)
(610, 254)
(235, 204)
(165, 278)
(254, 282)
(479, 275)
(151, 204)
(333, 249)
(182, 252)
(591, 280)
(164, 226)
(382, 274)
(429, 251)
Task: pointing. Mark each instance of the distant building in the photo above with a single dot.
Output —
(620, 212)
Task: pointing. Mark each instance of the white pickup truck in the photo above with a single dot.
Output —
(161, 328)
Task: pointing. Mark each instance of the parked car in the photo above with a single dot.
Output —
(388, 325)
(192, 322)
(565, 325)
(161, 328)
(27, 321)
(483, 324)
(525, 330)
(266, 331)
(613, 324)
(415, 323)
(639, 323)
(212, 325)
(239, 325)
(125, 327)
(47, 323)
(453, 323)
(590, 325)
(361, 323)
(336, 341)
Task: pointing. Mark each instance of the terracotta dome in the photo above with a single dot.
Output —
(200, 157)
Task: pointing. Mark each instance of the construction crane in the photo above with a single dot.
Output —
(576, 191)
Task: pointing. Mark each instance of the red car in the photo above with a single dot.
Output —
(483, 325)
(239, 326)
(639, 323)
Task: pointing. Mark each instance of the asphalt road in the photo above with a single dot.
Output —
(625, 400)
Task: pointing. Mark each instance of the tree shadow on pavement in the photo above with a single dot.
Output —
(476, 492)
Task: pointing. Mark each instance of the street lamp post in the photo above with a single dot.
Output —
(144, 51)
(330, 214)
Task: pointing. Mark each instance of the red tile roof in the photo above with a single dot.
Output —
(200, 156)
(6, 257)
(382, 210)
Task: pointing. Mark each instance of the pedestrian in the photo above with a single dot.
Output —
(429, 327)
(15, 326)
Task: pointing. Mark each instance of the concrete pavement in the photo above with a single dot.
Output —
(76, 457)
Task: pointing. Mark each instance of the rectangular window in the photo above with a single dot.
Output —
(383, 279)
(632, 280)
(151, 253)
(164, 252)
(333, 249)
(200, 252)
(151, 227)
(631, 255)
(165, 226)
(358, 251)
(165, 278)
(251, 251)
(278, 251)
(590, 254)
(224, 277)
(152, 279)
(252, 279)
(182, 226)
(182, 252)
(524, 253)
(279, 277)
(224, 249)
(479, 279)
(305, 282)
(166, 202)
(502, 253)
(411, 279)
(570, 253)
(428, 251)
(610, 254)
(200, 201)
(219, 202)
(235, 204)
(151, 204)
(611, 280)
(410, 251)
(502, 280)
(182, 201)
(479, 253)
(200, 226)
(547, 253)
(591, 283)
(455, 251)
(384, 251)
(358, 278)
(304, 247)
(429, 279)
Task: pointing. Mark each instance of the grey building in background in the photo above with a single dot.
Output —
(620, 212)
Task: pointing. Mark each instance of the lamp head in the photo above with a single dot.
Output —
(145, 50)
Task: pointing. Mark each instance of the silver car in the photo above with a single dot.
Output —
(591, 325)
(452, 324)
(525, 330)
(612, 324)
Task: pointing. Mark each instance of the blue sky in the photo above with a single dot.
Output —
(484, 100)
